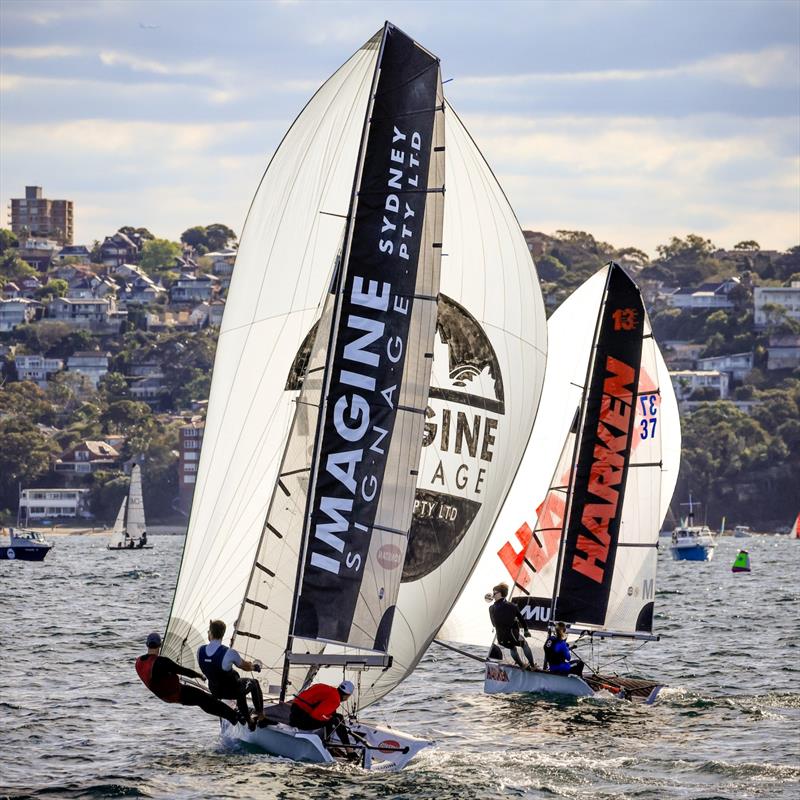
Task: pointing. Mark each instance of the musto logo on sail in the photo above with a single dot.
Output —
(462, 430)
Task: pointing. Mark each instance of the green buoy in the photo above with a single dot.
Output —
(742, 562)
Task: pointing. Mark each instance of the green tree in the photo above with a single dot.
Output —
(219, 236)
(13, 268)
(24, 457)
(749, 245)
(196, 237)
(54, 288)
(7, 240)
(159, 254)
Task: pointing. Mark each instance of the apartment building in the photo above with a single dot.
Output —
(34, 215)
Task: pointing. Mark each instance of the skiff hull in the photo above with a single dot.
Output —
(507, 679)
(384, 746)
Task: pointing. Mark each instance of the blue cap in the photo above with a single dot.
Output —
(154, 639)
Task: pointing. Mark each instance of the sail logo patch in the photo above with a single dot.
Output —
(389, 556)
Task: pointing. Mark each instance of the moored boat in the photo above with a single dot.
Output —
(18, 544)
(692, 542)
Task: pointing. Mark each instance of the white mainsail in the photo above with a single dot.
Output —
(536, 502)
(488, 357)
(135, 523)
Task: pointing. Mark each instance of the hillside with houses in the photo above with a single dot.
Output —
(107, 349)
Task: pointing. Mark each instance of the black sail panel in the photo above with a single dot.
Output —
(601, 468)
(371, 427)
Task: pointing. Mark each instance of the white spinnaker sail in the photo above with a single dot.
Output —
(489, 362)
(286, 255)
(135, 523)
(570, 333)
(117, 538)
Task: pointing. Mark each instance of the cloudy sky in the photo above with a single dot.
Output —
(633, 120)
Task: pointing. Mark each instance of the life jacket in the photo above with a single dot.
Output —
(221, 682)
(167, 687)
(552, 656)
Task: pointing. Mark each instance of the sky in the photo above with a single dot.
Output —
(635, 121)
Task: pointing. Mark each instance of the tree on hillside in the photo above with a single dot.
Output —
(219, 236)
(196, 237)
(749, 245)
(137, 233)
(159, 254)
(24, 457)
(7, 240)
(208, 238)
(14, 268)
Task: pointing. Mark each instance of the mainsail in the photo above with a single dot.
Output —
(525, 543)
(135, 523)
(309, 327)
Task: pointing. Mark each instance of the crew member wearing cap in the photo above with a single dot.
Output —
(558, 656)
(316, 708)
(507, 620)
(160, 675)
(217, 663)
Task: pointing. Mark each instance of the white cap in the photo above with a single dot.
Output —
(345, 687)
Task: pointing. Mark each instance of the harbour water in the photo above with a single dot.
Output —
(75, 722)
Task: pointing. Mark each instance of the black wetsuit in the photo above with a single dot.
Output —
(507, 620)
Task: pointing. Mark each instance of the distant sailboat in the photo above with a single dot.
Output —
(795, 531)
(130, 532)
(370, 400)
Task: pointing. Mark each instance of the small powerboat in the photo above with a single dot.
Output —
(22, 545)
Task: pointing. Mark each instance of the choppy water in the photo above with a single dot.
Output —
(76, 722)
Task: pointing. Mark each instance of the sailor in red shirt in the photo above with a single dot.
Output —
(160, 675)
(316, 708)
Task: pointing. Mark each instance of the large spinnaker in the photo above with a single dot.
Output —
(488, 371)
(287, 251)
(571, 330)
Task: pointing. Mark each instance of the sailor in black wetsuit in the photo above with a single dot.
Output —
(507, 620)
(160, 675)
(217, 663)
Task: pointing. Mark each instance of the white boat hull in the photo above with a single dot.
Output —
(384, 746)
(507, 679)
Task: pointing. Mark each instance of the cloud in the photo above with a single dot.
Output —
(33, 53)
(773, 66)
